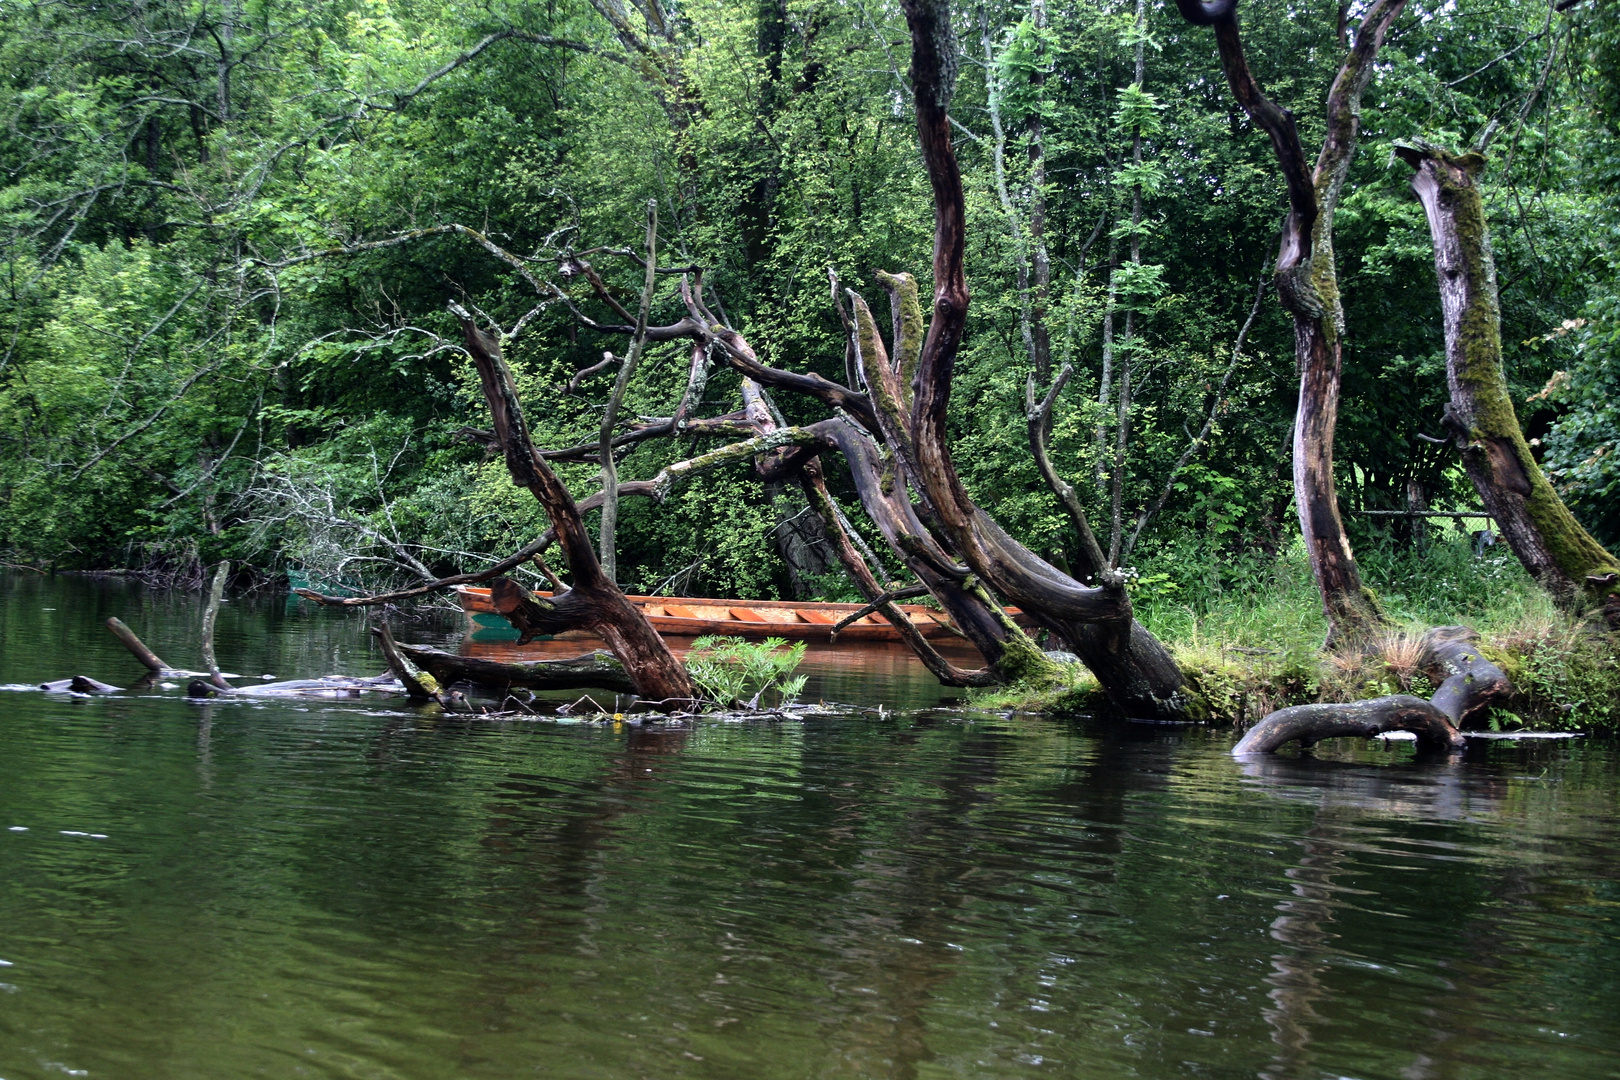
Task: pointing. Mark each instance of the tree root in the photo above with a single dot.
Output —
(1470, 686)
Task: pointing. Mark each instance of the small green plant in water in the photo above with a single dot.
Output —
(732, 671)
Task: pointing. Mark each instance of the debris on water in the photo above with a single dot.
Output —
(1407, 736)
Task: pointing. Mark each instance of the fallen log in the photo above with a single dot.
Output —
(596, 669)
(147, 657)
(1470, 685)
(385, 683)
(138, 647)
(418, 684)
(79, 684)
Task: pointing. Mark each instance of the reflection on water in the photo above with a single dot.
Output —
(346, 889)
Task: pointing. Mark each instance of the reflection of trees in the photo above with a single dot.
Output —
(1295, 978)
(839, 909)
(1343, 797)
(923, 862)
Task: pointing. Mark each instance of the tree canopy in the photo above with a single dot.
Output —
(227, 249)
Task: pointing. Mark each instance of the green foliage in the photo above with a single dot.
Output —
(733, 671)
(1136, 108)
(162, 397)
(1024, 61)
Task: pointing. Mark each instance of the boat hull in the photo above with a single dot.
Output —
(680, 616)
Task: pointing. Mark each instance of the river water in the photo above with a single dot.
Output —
(350, 889)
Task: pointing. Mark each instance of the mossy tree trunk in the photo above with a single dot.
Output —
(1551, 544)
(1308, 287)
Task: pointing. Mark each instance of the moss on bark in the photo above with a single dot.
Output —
(1548, 539)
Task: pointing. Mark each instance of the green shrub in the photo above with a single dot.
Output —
(731, 671)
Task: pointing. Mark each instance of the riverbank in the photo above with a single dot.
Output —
(1247, 630)
(1249, 633)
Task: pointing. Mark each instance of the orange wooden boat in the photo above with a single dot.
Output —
(689, 616)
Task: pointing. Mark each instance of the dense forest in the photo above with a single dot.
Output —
(231, 229)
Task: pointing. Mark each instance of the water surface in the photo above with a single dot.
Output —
(354, 889)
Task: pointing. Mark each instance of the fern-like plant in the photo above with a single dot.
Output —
(731, 671)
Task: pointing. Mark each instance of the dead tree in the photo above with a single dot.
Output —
(1134, 668)
(1551, 544)
(594, 602)
(1307, 285)
(1469, 684)
(892, 437)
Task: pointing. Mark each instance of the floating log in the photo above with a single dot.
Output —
(596, 669)
(147, 657)
(385, 683)
(138, 647)
(1471, 685)
(1309, 724)
(419, 685)
(79, 684)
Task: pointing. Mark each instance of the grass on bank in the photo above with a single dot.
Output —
(1248, 632)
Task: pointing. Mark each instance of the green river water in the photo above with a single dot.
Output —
(355, 889)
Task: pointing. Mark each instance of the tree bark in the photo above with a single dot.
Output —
(601, 607)
(1560, 554)
(1470, 685)
(1133, 667)
(597, 670)
(1307, 285)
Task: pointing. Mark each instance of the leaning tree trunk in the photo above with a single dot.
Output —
(594, 602)
(1133, 667)
(1551, 544)
(1307, 285)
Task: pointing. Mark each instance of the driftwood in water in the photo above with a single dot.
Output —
(216, 595)
(79, 684)
(597, 669)
(146, 656)
(1471, 685)
(138, 647)
(326, 684)
(418, 684)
